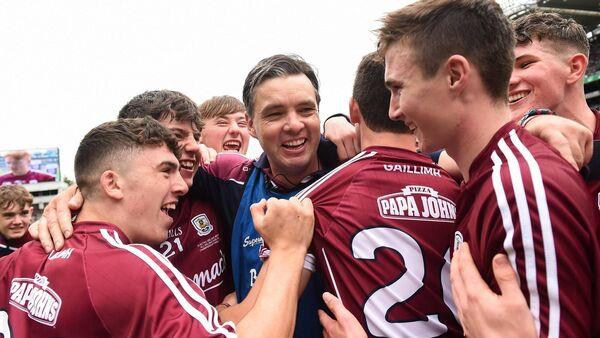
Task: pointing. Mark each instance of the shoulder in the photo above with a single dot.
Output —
(230, 166)
(343, 173)
(525, 173)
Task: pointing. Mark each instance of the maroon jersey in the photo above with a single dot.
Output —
(99, 285)
(29, 178)
(197, 248)
(525, 201)
(384, 222)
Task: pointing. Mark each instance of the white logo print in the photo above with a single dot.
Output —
(417, 203)
(34, 297)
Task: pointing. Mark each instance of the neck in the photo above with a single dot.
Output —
(369, 138)
(93, 210)
(476, 129)
(289, 180)
(574, 107)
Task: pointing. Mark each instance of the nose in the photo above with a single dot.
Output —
(190, 145)
(234, 128)
(514, 79)
(293, 123)
(178, 185)
(394, 111)
(18, 219)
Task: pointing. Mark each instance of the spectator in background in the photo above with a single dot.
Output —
(15, 215)
(226, 124)
(18, 161)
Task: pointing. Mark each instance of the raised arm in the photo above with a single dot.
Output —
(287, 228)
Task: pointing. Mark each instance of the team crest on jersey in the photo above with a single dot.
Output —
(419, 203)
(202, 224)
(36, 298)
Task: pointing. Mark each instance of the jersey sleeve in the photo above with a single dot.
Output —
(137, 292)
(547, 229)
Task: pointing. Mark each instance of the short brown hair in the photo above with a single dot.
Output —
(372, 97)
(14, 194)
(437, 29)
(161, 105)
(112, 143)
(220, 106)
(552, 27)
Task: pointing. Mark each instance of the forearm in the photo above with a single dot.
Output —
(274, 311)
(236, 313)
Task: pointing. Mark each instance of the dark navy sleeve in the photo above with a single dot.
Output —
(435, 156)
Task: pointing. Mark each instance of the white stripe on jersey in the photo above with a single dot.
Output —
(507, 222)
(362, 155)
(526, 230)
(184, 281)
(337, 292)
(236, 181)
(547, 236)
(189, 308)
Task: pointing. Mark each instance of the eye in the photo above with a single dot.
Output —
(526, 64)
(273, 115)
(307, 110)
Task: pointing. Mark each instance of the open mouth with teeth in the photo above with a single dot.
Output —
(294, 144)
(232, 145)
(168, 207)
(518, 96)
(187, 164)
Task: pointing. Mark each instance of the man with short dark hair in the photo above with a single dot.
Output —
(103, 284)
(384, 221)
(282, 100)
(196, 244)
(15, 215)
(226, 124)
(551, 59)
(448, 65)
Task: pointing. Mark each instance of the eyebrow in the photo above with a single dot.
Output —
(169, 165)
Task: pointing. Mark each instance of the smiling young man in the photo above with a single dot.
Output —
(551, 59)
(15, 215)
(448, 65)
(196, 242)
(226, 124)
(103, 284)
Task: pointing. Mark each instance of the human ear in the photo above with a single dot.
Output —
(251, 129)
(110, 184)
(354, 111)
(577, 66)
(458, 71)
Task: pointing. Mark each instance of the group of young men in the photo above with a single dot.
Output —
(236, 235)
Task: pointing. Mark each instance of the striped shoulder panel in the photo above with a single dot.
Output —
(160, 266)
(508, 159)
(360, 156)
